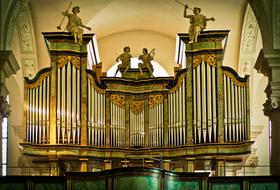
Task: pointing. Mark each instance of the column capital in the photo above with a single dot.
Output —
(8, 66)
(268, 59)
(268, 63)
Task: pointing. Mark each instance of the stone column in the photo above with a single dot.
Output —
(268, 63)
(8, 67)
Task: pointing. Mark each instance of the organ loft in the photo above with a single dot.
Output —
(76, 118)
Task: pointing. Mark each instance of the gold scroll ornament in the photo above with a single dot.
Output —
(136, 106)
(63, 60)
(155, 100)
(118, 100)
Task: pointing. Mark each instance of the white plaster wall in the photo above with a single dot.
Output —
(15, 122)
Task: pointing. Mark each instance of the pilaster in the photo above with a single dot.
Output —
(268, 63)
(8, 66)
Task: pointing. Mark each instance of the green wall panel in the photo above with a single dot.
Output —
(136, 183)
(89, 185)
(12, 186)
(182, 185)
(226, 186)
(263, 186)
(48, 186)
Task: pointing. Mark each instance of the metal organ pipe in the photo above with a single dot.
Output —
(74, 106)
(59, 108)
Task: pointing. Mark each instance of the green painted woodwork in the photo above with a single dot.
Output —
(12, 186)
(49, 186)
(182, 185)
(136, 183)
(226, 186)
(89, 185)
(264, 186)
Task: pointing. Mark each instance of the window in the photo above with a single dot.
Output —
(4, 144)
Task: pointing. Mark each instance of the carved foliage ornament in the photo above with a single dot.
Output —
(250, 33)
(25, 31)
(136, 106)
(155, 100)
(63, 60)
(118, 100)
(210, 59)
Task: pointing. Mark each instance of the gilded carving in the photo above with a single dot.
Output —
(210, 59)
(234, 80)
(197, 59)
(155, 100)
(136, 106)
(39, 82)
(118, 100)
(63, 60)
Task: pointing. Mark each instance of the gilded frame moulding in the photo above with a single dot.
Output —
(91, 80)
(63, 60)
(155, 100)
(118, 100)
(178, 84)
(235, 80)
(38, 82)
(136, 106)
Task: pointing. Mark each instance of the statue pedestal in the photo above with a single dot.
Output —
(135, 73)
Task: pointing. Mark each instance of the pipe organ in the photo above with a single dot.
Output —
(37, 98)
(109, 118)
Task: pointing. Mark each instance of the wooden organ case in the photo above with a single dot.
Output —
(77, 120)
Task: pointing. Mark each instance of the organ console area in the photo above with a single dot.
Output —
(76, 119)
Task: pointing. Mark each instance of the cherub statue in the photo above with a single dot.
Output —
(146, 58)
(125, 60)
(197, 23)
(74, 24)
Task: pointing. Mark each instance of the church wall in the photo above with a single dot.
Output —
(15, 122)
